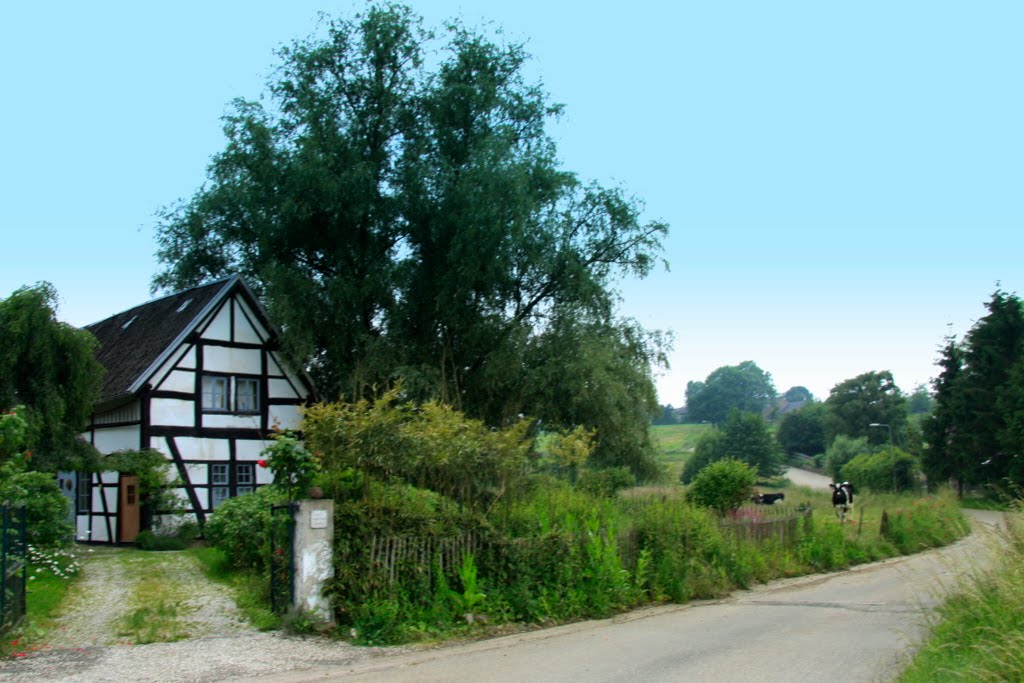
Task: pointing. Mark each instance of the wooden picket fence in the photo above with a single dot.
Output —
(424, 553)
(760, 523)
(392, 556)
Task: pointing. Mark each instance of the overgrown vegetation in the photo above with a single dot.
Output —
(51, 572)
(980, 635)
(444, 526)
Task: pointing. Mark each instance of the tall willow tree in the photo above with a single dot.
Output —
(399, 206)
(49, 367)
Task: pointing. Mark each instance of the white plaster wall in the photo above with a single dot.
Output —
(231, 361)
(198, 474)
(244, 332)
(171, 362)
(235, 421)
(116, 439)
(82, 528)
(167, 523)
(182, 494)
(279, 388)
(111, 496)
(188, 359)
(179, 381)
(288, 417)
(158, 443)
(195, 448)
(295, 380)
(99, 529)
(172, 411)
(249, 449)
(219, 328)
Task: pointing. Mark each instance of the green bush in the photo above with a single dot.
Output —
(707, 451)
(147, 540)
(723, 485)
(843, 450)
(241, 527)
(888, 470)
(606, 482)
(46, 508)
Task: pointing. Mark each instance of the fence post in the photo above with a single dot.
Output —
(314, 557)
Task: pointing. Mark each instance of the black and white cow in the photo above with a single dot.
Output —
(768, 498)
(842, 499)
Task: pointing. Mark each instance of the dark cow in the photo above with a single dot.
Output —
(768, 498)
(842, 499)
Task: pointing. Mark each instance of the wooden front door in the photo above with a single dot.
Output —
(128, 509)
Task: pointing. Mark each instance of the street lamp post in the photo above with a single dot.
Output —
(880, 424)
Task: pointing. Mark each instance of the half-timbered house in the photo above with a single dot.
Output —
(196, 375)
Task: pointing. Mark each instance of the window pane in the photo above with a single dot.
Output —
(246, 474)
(244, 489)
(247, 396)
(218, 474)
(84, 493)
(219, 495)
(215, 393)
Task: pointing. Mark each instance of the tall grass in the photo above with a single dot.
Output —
(980, 636)
(560, 554)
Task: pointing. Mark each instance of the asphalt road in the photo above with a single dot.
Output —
(858, 625)
(805, 478)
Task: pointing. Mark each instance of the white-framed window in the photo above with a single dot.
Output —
(220, 484)
(245, 481)
(215, 393)
(247, 395)
(220, 481)
(218, 395)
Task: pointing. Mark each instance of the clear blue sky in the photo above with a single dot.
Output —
(843, 181)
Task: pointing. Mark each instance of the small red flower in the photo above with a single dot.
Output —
(28, 455)
(261, 463)
(14, 642)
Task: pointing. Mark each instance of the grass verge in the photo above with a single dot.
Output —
(51, 573)
(249, 589)
(980, 633)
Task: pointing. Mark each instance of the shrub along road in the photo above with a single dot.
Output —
(864, 623)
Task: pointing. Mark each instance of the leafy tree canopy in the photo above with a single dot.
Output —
(798, 393)
(870, 398)
(401, 210)
(803, 430)
(744, 437)
(49, 367)
(920, 401)
(743, 387)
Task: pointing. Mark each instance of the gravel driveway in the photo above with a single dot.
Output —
(220, 645)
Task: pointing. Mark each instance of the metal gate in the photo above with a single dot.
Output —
(13, 566)
(282, 557)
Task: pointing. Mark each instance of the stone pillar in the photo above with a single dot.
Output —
(314, 557)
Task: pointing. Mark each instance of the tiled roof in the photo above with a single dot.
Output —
(133, 340)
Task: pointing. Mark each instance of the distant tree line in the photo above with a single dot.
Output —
(868, 411)
(968, 429)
